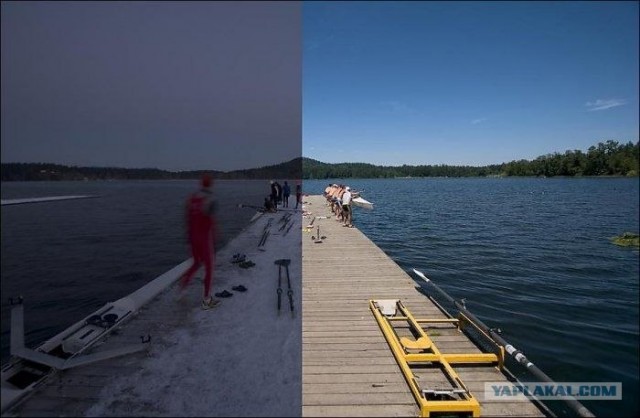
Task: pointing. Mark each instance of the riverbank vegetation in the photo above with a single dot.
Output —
(605, 159)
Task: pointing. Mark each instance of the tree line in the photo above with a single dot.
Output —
(53, 172)
(605, 159)
(609, 158)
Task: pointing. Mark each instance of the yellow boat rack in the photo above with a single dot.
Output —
(420, 351)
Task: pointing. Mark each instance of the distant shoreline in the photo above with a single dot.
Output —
(604, 176)
(56, 172)
(609, 159)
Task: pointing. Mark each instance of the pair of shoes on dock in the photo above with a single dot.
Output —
(224, 294)
(247, 264)
(238, 258)
(227, 294)
(348, 226)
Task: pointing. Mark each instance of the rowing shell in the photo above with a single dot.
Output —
(363, 203)
(29, 369)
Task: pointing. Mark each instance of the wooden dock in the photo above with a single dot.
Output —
(348, 368)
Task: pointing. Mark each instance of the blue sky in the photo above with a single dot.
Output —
(466, 83)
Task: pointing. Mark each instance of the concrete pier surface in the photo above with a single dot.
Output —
(240, 358)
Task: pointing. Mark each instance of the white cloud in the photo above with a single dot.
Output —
(602, 104)
(477, 121)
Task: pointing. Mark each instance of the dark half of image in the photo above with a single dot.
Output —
(133, 104)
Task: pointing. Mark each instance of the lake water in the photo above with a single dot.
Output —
(531, 256)
(69, 258)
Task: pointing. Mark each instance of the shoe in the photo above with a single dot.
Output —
(224, 294)
(211, 303)
(239, 288)
(238, 258)
(247, 264)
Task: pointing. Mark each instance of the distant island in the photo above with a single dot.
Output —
(605, 159)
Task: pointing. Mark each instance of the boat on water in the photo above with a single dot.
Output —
(4, 202)
(361, 202)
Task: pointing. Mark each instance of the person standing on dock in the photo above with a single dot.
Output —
(278, 194)
(346, 207)
(274, 194)
(298, 195)
(286, 192)
(201, 230)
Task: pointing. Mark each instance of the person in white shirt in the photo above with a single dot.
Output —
(346, 207)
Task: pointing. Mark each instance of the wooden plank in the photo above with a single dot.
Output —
(309, 354)
(339, 369)
(383, 398)
(353, 339)
(360, 410)
(377, 378)
(356, 387)
(353, 361)
(340, 347)
(509, 409)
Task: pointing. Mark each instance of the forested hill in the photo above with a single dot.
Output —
(43, 171)
(608, 158)
(605, 159)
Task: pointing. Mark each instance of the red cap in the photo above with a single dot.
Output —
(206, 180)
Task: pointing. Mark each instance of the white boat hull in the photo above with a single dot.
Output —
(363, 203)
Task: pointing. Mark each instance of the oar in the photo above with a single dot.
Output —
(290, 290)
(281, 262)
(514, 352)
(279, 291)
